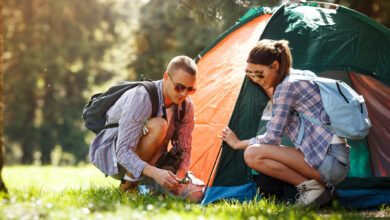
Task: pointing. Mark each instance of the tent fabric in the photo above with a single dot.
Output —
(377, 100)
(359, 155)
(326, 39)
(218, 83)
(239, 193)
(334, 43)
(363, 199)
(364, 193)
(250, 15)
(356, 193)
(244, 123)
(357, 183)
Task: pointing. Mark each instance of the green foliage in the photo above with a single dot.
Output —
(52, 48)
(84, 193)
(378, 10)
(167, 29)
(225, 11)
(57, 52)
(170, 28)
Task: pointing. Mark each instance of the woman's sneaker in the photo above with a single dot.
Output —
(312, 192)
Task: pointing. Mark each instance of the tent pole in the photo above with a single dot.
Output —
(212, 170)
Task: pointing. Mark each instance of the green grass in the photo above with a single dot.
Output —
(84, 193)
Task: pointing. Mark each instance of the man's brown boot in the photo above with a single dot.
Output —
(128, 186)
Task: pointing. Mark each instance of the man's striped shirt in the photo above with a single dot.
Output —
(117, 145)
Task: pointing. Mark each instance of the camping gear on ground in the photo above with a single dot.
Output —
(333, 42)
(170, 160)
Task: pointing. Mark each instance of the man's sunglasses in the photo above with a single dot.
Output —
(180, 88)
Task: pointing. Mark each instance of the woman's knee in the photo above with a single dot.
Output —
(253, 155)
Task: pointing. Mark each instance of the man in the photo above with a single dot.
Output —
(129, 152)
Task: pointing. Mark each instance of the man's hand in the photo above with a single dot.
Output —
(164, 178)
(167, 179)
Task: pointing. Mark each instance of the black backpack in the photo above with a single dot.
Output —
(94, 113)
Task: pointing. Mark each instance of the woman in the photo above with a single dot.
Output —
(321, 160)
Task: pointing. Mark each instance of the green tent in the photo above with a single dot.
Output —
(332, 41)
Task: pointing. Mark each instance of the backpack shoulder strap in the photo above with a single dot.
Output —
(153, 95)
(94, 113)
(302, 127)
(179, 114)
(183, 110)
(151, 88)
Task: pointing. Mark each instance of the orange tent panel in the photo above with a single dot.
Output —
(218, 83)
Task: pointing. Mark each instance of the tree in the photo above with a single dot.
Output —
(378, 10)
(54, 51)
(227, 12)
(170, 28)
(2, 186)
(166, 29)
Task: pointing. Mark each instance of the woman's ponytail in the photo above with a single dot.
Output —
(267, 51)
(284, 59)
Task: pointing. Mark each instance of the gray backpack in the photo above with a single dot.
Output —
(346, 109)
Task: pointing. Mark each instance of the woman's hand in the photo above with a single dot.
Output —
(231, 139)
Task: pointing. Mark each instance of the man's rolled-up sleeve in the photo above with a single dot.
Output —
(185, 128)
(136, 110)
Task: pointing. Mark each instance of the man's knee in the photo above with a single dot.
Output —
(252, 155)
(158, 126)
(150, 143)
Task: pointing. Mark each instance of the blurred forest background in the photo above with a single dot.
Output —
(58, 53)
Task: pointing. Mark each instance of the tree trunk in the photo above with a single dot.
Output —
(364, 7)
(2, 186)
(27, 143)
(27, 157)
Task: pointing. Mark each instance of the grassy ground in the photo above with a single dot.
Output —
(84, 193)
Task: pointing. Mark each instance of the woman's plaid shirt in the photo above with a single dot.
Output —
(304, 97)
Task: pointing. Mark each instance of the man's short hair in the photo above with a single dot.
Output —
(182, 62)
